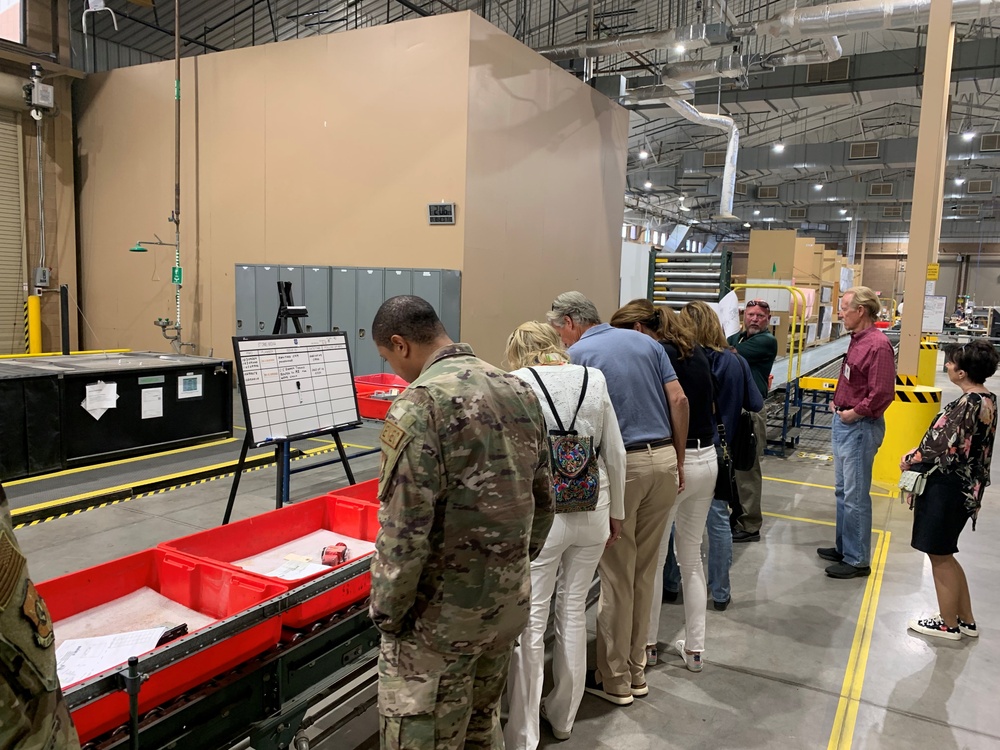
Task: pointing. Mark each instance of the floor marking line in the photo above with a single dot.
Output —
(799, 518)
(842, 733)
(822, 486)
(78, 469)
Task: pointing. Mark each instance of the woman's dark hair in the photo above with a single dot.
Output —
(663, 321)
(978, 358)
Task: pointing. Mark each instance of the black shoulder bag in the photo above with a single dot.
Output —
(744, 444)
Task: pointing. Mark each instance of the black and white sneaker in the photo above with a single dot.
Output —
(935, 626)
(968, 628)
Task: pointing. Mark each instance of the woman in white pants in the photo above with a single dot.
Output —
(573, 547)
(700, 470)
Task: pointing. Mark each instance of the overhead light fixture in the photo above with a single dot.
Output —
(647, 184)
(968, 135)
(679, 49)
(746, 224)
(959, 180)
(684, 208)
(778, 147)
(756, 212)
(843, 211)
(818, 186)
(643, 153)
(849, 218)
(769, 219)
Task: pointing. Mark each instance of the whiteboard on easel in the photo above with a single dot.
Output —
(934, 311)
(295, 386)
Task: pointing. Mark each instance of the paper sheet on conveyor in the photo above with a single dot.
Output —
(301, 557)
(117, 623)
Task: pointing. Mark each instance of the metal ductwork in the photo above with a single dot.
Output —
(730, 66)
(691, 37)
(719, 122)
(863, 15)
(830, 52)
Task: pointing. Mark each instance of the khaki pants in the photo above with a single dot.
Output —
(628, 567)
(749, 482)
(433, 701)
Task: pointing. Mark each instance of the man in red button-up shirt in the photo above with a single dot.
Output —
(865, 389)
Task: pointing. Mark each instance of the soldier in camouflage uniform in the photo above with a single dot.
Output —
(33, 715)
(465, 504)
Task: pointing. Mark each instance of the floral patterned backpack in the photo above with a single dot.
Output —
(576, 480)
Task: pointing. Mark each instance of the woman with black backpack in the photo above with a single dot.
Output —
(587, 461)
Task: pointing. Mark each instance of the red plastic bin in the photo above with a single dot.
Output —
(206, 588)
(373, 408)
(383, 379)
(367, 491)
(252, 536)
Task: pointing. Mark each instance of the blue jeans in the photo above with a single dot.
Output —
(854, 449)
(671, 570)
(720, 550)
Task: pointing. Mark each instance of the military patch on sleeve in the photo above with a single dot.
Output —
(11, 568)
(38, 614)
(392, 435)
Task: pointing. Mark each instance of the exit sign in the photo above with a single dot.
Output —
(176, 275)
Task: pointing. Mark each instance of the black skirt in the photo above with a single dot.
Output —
(939, 515)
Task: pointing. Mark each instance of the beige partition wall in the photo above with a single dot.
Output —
(327, 151)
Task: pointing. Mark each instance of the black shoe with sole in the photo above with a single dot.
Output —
(830, 553)
(670, 596)
(746, 536)
(843, 570)
(721, 606)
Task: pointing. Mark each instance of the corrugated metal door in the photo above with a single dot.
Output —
(12, 271)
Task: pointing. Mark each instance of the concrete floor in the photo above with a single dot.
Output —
(799, 660)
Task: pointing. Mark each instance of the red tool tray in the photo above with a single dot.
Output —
(367, 491)
(210, 589)
(365, 385)
(252, 536)
(383, 380)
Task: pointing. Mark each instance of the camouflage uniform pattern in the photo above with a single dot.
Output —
(33, 715)
(465, 505)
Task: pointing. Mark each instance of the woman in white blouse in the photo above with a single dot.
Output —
(574, 545)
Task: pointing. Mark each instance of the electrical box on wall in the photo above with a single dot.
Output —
(43, 95)
(42, 277)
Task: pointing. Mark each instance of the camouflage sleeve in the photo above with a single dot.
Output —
(541, 488)
(409, 485)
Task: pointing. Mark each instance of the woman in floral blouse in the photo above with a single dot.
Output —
(955, 454)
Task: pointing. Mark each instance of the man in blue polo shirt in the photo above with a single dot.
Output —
(653, 415)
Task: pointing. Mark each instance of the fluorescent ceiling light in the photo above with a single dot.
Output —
(843, 211)
(756, 212)
(647, 184)
(778, 147)
(968, 136)
(769, 219)
(818, 186)
(959, 180)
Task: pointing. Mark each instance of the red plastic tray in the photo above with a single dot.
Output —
(367, 491)
(381, 379)
(210, 589)
(251, 536)
(373, 408)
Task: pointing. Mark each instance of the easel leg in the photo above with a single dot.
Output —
(343, 457)
(236, 479)
(279, 480)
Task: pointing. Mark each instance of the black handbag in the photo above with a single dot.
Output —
(744, 446)
(725, 482)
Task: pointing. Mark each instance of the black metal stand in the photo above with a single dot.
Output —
(64, 316)
(236, 478)
(133, 682)
(287, 310)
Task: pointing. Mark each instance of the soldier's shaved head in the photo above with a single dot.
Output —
(408, 316)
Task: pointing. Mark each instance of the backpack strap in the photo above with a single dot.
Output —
(552, 406)
(583, 393)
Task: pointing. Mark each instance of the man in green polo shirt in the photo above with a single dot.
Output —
(759, 348)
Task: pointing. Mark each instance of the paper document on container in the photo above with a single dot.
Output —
(728, 310)
(292, 570)
(101, 395)
(80, 658)
(152, 403)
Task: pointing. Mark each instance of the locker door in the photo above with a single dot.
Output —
(398, 281)
(370, 290)
(451, 303)
(427, 284)
(295, 275)
(343, 307)
(316, 298)
(246, 310)
(266, 280)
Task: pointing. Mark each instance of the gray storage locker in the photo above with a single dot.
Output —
(246, 301)
(451, 303)
(266, 278)
(316, 298)
(370, 291)
(294, 275)
(343, 307)
(397, 281)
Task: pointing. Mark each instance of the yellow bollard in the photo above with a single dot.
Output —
(34, 324)
(927, 364)
(906, 421)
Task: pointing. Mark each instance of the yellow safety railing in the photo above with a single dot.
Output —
(798, 331)
(892, 308)
(59, 354)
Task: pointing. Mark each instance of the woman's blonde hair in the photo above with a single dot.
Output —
(663, 321)
(704, 324)
(534, 343)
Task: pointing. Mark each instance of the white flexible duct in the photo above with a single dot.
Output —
(719, 122)
(866, 15)
(831, 51)
(730, 66)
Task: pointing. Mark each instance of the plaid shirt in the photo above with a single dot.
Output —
(867, 380)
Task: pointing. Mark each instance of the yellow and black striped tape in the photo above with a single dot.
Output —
(27, 345)
(906, 380)
(928, 345)
(919, 397)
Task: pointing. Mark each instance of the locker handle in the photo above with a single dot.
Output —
(361, 333)
(239, 323)
(260, 325)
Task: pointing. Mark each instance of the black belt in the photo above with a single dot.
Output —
(650, 445)
(842, 408)
(696, 443)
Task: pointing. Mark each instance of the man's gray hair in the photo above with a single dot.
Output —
(576, 306)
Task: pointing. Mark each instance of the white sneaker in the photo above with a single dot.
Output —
(691, 661)
(935, 627)
(559, 734)
(966, 628)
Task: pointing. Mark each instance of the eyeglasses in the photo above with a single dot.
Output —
(758, 303)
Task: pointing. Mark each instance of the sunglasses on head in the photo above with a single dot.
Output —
(758, 303)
